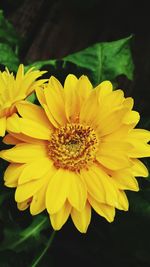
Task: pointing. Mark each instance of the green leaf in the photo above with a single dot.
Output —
(9, 44)
(7, 32)
(8, 57)
(102, 61)
(17, 239)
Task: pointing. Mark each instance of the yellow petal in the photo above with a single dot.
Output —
(84, 88)
(71, 97)
(106, 211)
(140, 134)
(2, 126)
(55, 102)
(58, 219)
(82, 219)
(12, 174)
(23, 153)
(99, 186)
(111, 123)
(33, 112)
(104, 89)
(10, 140)
(77, 193)
(35, 170)
(138, 168)
(89, 109)
(114, 155)
(124, 180)
(57, 191)
(28, 190)
(131, 117)
(123, 203)
(38, 201)
(28, 127)
(23, 205)
(140, 149)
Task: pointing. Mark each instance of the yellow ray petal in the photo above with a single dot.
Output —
(58, 219)
(140, 149)
(104, 89)
(84, 88)
(82, 219)
(138, 168)
(106, 211)
(57, 191)
(23, 153)
(15, 138)
(28, 190)
(40, 96)
(99, 186)
(23, 205)
(123, 203)
(10, 140)
(77, 193)
(28, 127)
(140, 134)
(35, 170)
(71, 97)
(131, 117)
(124, 180)
(55, 102)
(111, 123)
(12, 174)
(114, 155)
(2, 126)
(33, 112)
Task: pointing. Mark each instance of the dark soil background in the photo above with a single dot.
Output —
(53, 29)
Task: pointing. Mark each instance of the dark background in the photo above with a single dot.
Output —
(53, 29)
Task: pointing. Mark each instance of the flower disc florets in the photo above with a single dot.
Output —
(73, 147)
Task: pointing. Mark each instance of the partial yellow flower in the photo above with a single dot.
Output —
(14, 89)
(77, 152)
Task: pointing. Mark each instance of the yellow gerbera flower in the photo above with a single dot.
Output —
(14, 89)
(76, 152)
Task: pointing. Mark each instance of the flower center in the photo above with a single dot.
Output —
(73, 147)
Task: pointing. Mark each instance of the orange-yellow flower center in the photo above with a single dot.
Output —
(73, 147)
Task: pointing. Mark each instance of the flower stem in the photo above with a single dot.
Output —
(35, 263)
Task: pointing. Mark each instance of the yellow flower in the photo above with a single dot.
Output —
(76, 152)
(14, 89)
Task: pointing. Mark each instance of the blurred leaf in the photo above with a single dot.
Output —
(7, 32)
(8, 57)
(9, 44)
(100, 62)
(18, 240)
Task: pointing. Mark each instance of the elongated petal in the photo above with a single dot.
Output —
(55, 103)
(106, 211)
(71, 97)
(58, 219)
(33, 112)
(123, 203)
(35, 170)
(114, 155)
(57, 191)
(23, 153)
(2, 126)
(28, 127)
(77, 194)
(138, 168)
(12, 174)
(27, 190)
(82, 219)
(99, 186)
(125, 180)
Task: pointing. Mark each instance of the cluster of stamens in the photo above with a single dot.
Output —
(73, 147)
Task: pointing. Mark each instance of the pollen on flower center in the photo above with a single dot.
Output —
(73, 147)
